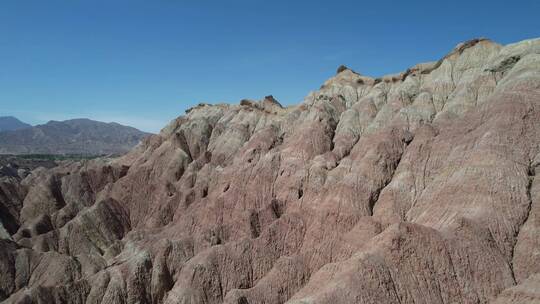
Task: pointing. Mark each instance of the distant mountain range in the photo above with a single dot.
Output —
(76, 136)
(10, 123)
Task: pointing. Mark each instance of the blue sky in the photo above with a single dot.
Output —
(143, 63)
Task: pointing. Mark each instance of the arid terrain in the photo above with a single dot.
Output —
(418, 187)
(10, 123)
(70, 137)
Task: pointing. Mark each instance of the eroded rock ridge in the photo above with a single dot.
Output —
(418, 187)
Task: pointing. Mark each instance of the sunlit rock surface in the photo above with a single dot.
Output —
(417, 187)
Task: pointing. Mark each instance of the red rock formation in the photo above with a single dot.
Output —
(413, 188)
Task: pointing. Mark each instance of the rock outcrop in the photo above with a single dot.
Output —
(418, 187)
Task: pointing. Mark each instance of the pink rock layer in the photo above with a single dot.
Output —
(417, 187)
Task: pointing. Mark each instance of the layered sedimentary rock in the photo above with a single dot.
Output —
(417, 187)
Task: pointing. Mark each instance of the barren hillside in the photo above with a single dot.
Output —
(417, 187)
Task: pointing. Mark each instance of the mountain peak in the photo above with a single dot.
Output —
(73, 136)
(9, 123)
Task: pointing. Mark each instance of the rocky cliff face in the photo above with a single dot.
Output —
(413, 188)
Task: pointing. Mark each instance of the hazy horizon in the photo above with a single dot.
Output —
(62, 120)
(143, 63)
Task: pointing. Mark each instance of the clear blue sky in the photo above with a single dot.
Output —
(144, 62)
